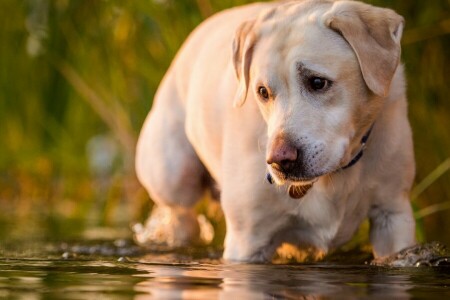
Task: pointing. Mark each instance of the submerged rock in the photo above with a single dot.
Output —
(428, 254)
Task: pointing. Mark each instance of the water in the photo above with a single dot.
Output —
(119, 270)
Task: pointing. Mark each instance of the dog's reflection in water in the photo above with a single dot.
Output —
(269, 282)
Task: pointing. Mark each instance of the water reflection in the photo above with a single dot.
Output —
(271, 282)
(166, 276)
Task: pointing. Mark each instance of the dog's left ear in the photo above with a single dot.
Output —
(243, 44)
(374, 34)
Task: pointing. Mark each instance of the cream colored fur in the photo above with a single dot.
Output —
(208, 121)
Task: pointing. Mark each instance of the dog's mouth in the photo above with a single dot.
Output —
(298, 191)
(298, 186)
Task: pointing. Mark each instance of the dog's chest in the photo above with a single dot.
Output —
(327, 218)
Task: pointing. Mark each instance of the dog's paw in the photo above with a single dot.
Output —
(173, 227)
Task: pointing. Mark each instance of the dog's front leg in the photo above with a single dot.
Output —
(392, 229)
(255, 215)
(251, 244)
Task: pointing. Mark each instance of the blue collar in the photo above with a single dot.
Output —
(361, 152)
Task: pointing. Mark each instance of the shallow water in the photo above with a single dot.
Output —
(119, 270)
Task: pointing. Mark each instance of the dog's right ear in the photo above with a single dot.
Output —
(243, 45)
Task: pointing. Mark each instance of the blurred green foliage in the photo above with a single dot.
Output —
(77, 80)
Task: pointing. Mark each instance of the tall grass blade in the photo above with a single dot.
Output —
(424, 184)
(432, 177)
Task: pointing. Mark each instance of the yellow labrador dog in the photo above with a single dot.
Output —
(307, 95)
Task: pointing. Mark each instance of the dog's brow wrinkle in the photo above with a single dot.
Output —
(300, 66)
(302, 70)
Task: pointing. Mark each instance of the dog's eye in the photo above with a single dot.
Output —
(263, 92)
(318, 83)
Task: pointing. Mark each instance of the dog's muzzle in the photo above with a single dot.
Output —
(287, 163)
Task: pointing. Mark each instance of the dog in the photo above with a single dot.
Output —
(297, 111)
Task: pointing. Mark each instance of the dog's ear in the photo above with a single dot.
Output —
(374, 34)
(243, 44)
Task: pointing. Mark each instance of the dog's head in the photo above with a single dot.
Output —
(320, 71)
